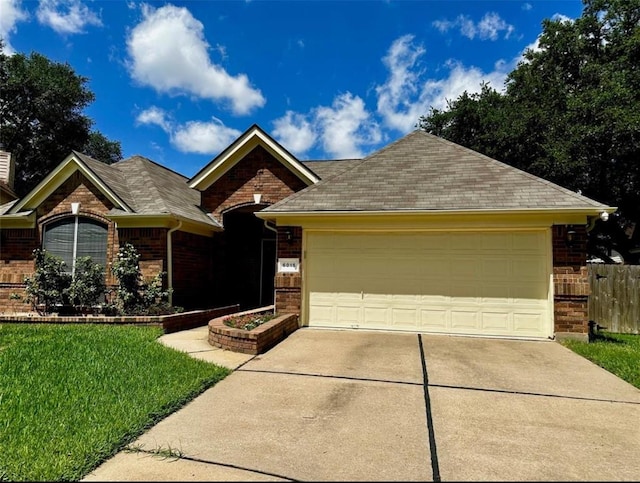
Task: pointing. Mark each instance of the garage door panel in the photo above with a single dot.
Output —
(495, 321)
(435, 318)
(493, 283)
(468, 320)
(526, 322)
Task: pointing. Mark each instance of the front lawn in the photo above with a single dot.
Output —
(71, 396)
(617, 353)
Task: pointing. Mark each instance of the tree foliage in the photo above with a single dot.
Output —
(41, 117)
(570, 113)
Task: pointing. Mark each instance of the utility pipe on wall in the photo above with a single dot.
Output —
(170, 260)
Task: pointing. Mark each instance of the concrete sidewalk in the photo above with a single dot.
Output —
(195, 343)
(373, 406)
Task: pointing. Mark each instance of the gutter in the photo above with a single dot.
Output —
(268, 215)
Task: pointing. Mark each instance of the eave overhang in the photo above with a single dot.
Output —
(253, 137)
(58, 176)
(23, 219)
(132, 220)
(435, 219)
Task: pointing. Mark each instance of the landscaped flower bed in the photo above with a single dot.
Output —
(248, 321)
(227, 332)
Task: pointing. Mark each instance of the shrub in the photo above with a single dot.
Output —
(49, 283)
(133, 295)
(88, 285)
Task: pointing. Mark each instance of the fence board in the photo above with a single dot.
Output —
(615, 297)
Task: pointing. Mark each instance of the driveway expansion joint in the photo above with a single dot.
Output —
(331, 376)
(525, 393)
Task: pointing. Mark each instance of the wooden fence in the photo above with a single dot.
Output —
(615, 297)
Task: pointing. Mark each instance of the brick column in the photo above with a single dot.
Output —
(570, 283)
(288, 285)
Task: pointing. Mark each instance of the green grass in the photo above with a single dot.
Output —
(617, 353)
(71, 396)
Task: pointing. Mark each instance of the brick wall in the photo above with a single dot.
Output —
(258, 172)
(570, 281)
(17, 245)
(151, 244)
(288, 285)
(192, 270)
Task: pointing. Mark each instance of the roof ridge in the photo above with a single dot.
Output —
(144, 158)
(149, 181)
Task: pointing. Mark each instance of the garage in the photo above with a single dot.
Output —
(487, 283)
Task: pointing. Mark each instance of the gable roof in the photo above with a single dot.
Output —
(252, 137)
(421, 172)
(137, 187)
(99, 173)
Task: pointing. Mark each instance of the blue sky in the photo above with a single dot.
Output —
(178, 81)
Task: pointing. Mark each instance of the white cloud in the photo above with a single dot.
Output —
(401, 101)
(169, 53)
(66, 16)
(294, 132)
(408, 94)
(527, 6)
(193, 136)
(344, 130)
(12, 13)
(155, 115)
(203, 137)
(346, 127)
(491, 25)
(488, 28)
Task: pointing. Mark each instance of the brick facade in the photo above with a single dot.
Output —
(258, 172)
(288, 286)
(570, 282)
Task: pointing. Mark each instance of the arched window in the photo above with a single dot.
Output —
(74, 237)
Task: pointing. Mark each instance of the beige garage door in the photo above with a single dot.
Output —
(481, 283)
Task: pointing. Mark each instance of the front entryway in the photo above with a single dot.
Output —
(248, 265)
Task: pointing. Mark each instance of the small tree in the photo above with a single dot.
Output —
(49, 283)
(133, 295)
(88, 285)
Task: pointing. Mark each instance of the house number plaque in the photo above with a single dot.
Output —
(288, 265)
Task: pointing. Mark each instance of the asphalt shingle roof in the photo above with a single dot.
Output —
(329, 168)
(423, 172)
(149, 188)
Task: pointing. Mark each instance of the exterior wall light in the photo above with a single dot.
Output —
(570, 237)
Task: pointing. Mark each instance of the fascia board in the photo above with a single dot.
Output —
(25, 219)
(444, 220)
(163, 221)
(57, 177)
(230, 158)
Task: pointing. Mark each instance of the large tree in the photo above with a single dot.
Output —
(570, 113)
(41, 117)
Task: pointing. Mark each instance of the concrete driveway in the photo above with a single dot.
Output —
(372, 406)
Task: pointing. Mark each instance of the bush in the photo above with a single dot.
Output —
(133, 295)
(49, 284)
(88, 285)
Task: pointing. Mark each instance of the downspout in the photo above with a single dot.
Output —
(170, 261)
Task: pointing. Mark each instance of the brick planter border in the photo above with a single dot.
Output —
(255, 341)
(168, 323)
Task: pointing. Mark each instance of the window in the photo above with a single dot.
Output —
(75, 237)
